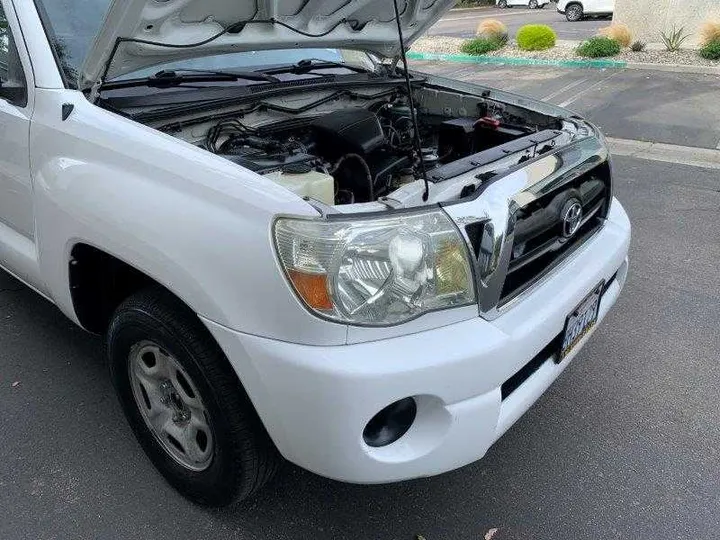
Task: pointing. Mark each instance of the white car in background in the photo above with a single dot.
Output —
(531, 4)
(576, 10)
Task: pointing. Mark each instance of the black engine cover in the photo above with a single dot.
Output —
(348, 131)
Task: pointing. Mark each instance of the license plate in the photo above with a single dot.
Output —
(581, 320)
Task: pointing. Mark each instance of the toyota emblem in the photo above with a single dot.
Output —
(572, 215)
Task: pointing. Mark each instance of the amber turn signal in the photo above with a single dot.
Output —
(312, 288)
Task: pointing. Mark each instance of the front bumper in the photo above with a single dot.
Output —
(316, 401)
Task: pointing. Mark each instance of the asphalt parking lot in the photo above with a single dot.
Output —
(463, 23)
(626, 444)
(667, 107)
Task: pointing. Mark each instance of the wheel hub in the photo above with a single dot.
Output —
(171, 399)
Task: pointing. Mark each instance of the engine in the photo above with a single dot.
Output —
(360, 154)
(355, 155)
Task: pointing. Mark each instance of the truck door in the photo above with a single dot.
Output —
(17, 221)
(16, 209)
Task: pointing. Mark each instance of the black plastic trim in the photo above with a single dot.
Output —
(469, 163)
(528, 370)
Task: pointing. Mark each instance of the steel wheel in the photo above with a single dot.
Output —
(185, 403)
(171, 406)
(574, 12)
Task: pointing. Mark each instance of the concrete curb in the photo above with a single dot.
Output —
(513, 61)
(594, 64)
(706, 158)
(676, 68)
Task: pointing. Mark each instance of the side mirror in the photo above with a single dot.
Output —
(17, 95)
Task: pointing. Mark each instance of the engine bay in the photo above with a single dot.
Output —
(362, 151)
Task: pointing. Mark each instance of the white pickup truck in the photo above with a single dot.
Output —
(293, 249)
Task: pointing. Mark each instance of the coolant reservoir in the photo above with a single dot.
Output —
(313, 184)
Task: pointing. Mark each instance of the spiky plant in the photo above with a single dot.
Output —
(673, 40)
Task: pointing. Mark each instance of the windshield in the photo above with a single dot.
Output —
(72, 25)
(253, 60)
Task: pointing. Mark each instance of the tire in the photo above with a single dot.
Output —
(502, 4)
(174, 382)
(574, 12)
(533, 4)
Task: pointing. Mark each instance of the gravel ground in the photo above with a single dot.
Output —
(684, 57)
(438, 45)
(564, 51)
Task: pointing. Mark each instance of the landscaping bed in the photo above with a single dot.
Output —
(564, 51)
(561, 51)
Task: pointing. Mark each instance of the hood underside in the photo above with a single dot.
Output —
(138, 34)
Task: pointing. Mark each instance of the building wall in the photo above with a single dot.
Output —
(647, 18)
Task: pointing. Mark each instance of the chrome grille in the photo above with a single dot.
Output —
(512, 222)
(549, 229)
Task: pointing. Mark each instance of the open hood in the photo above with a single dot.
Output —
(133, 29)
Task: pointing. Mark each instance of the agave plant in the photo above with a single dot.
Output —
(674, 39)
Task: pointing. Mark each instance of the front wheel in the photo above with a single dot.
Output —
(184, 402)
(533, 4)
(502, 4)
(574, 12)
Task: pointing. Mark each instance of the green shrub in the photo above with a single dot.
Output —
(535, 37)
(638, 46)
(480, 46)
(599, 47)
(711, 51)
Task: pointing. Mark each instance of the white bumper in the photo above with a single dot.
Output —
(316, 401)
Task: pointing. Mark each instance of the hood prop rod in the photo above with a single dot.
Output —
(411, 102)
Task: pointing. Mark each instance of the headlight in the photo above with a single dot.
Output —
(377, 271)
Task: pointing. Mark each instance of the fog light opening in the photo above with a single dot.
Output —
(391, 423)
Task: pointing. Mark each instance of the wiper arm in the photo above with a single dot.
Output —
(247, 75)
(169, 78)
(311, 64)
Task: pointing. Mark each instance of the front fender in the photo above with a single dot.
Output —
(195, 223)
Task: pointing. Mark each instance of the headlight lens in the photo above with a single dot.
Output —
(378, 271)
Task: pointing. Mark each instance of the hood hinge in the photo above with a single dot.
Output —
(94, 94)
(395, 60)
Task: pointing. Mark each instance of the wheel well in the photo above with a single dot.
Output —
(99, 282)
(573, 4)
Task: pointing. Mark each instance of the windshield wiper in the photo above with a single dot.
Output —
(170, 78)
(311, 64)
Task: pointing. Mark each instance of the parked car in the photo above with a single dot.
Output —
(240, 206)
(530, 4)
(576, 10)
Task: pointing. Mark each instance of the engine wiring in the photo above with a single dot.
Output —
(228, 128)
